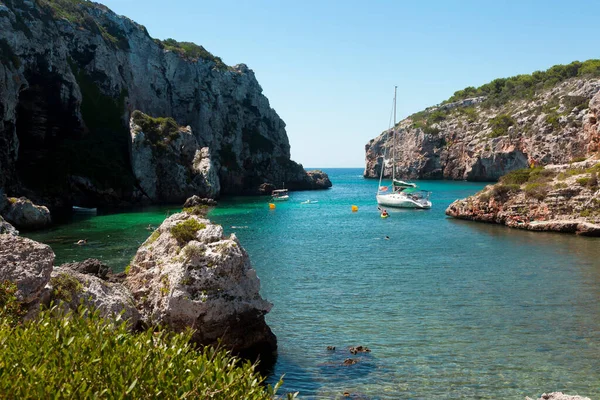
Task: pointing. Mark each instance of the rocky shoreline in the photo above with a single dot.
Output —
(187, 275)
(558, 198)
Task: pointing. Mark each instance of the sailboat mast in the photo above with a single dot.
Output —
(394, 140)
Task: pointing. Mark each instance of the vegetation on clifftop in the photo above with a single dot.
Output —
(77, 12)
(192, 51)
(500, 91)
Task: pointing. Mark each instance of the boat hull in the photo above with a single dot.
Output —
(281, 198)
(401, 201)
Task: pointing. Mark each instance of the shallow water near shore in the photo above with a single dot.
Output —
(449, 308)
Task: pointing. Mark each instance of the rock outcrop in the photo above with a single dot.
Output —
(559, 396)
(72, 289)
(6, 228)
(91, 266)
(559, 198)
(23, 214)
(28, 264)
(167, 161)
(195, 201)
(481, 141)
(188, 275)
(72, 72)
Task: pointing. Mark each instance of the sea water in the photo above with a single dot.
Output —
(448, 308)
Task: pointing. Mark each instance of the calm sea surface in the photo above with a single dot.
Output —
(449, 309)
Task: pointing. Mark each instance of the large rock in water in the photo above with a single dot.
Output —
(26, 263)
(23, 214)
(188, 275)
(167, 161)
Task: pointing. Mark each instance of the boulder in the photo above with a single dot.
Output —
(72, 289)
(26, 263)
(198, 201)
(91, 266)
(187, 274)
(7, 228)
(168, 162)
(23, 214)
(319, 179)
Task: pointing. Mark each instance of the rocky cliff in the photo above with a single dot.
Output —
(559, 198)
(543, 118)
(72, 72)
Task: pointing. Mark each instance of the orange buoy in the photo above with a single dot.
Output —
(354, 208)
(272, 206)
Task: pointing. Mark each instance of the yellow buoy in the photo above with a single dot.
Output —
(272, 206)
(354, 208)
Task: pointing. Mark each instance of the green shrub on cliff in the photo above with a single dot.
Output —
(192, 51)
(500, 91)
(500, 190)
(537, 191)
(159, 132)
(83, 356)
(500, 125)
(200, 210)
(77, 12)
(516, 177)
(186, 230)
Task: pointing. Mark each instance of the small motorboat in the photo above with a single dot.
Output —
(280, 195)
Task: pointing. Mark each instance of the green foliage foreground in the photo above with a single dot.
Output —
(82, 356)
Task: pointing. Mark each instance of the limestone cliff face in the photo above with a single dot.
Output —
(471, 140)
(167, 162)
(69, 81)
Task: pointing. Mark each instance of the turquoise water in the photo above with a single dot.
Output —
(450, 309)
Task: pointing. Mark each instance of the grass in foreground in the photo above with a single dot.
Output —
(81, 355)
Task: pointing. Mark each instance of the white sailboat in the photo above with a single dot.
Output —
(402, 194)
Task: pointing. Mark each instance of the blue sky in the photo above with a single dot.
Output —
(329, 67)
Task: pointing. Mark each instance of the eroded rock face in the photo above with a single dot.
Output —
(91, 266)
(72, 289)
(67, 91)
(462, 143)
(24, 214)
(167, 161)
(26, 263)
(559, 198)
(204, 281)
